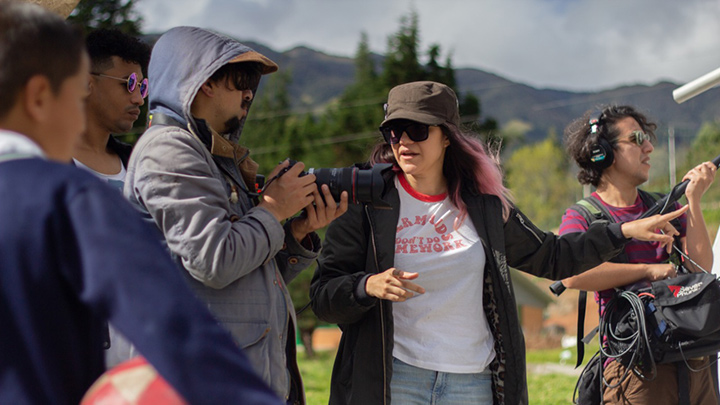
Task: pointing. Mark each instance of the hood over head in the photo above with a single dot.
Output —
(183, 59)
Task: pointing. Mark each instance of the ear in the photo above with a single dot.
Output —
(91, 85)
(37, 97)
(446, 141)
(208, 89)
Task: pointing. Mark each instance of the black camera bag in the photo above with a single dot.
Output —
(683, 317)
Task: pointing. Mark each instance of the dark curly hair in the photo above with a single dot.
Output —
(579, 141)
(102, 44)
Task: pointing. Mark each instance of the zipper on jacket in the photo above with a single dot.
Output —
(382, 316)
(526, 226)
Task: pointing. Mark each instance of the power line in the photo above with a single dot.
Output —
(319, 142)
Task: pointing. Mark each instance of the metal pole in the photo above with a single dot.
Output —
(671, 154)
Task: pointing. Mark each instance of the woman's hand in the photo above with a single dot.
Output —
(648, 229)
(318, 214)
(392, 285)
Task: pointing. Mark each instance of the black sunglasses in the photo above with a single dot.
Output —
(393, 131)
(131, 83)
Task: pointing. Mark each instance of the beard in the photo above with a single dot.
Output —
(232, 125)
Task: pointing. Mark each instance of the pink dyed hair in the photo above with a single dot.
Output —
(467, 165)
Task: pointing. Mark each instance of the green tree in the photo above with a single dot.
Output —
(364, 64)
(436, 72)
(705, 147)
(539, 178)
(350, 124)
(267, 132)
(402, 59)
(119, 14)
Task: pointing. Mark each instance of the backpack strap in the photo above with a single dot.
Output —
(592, 210)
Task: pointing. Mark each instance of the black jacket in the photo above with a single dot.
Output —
(122, 149)
(362, 242)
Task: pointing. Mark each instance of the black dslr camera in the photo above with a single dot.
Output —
(362, 185)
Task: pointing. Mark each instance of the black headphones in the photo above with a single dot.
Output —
(601, 153)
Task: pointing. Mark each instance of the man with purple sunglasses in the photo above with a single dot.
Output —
(117, 90)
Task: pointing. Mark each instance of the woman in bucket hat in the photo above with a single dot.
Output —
(422, 292)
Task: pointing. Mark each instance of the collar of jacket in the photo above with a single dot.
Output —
(221, 147)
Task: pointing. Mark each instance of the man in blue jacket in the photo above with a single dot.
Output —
(74, 254)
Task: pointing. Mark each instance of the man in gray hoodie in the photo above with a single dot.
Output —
(191, 176)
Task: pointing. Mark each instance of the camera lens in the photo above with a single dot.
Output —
(362, 185)
(338, 180)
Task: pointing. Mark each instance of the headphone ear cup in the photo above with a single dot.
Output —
(601, 154)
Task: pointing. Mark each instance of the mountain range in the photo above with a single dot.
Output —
(319, 78)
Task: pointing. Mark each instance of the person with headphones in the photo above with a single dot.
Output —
(613, 152)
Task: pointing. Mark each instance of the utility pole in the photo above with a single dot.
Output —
(671, 155)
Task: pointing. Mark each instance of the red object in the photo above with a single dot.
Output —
(133, 382)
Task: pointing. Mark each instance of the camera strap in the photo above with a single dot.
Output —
(163, 119)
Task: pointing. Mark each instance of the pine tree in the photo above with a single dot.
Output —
(119, 14)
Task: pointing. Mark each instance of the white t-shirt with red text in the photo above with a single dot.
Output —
(444, 329)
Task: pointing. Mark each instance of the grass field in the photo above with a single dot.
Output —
(543, 389)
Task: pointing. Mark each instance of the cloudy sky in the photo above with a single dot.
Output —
(562, 44)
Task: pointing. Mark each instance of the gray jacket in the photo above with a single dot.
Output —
(238, 257)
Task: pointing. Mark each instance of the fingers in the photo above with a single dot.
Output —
(404, 275)
(673, 214)
(661, 271)
(279, 167)
(392, 285)
(342, 208)
(700, 178)
(647, 229)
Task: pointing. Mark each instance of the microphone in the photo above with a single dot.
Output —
(697, 86)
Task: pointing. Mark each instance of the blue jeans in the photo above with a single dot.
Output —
(413, 385)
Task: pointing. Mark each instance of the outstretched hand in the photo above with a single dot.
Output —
(656, 228)
(393, 285)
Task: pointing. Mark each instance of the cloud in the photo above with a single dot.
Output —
(568, 44)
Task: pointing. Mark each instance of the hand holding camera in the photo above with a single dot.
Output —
(288, 192)
(318, 214)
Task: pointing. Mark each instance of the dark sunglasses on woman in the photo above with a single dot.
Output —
(393, 131)
(131, 82)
